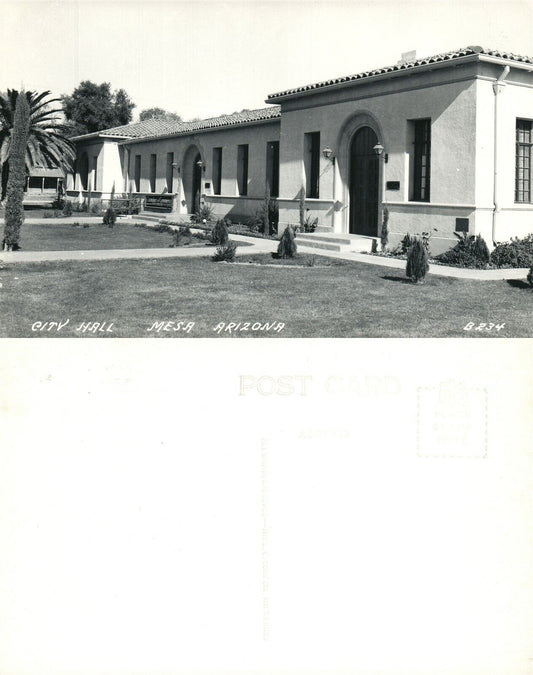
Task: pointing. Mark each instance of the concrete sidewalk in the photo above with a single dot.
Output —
(257, 246)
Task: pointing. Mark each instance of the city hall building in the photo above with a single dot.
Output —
(444, 143)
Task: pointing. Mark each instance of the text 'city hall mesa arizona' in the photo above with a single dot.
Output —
(444, 142)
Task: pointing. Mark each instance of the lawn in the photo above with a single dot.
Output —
(342, 300)
(94, 236)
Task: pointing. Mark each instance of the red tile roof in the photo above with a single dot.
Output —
(156, 128)
(447, 56)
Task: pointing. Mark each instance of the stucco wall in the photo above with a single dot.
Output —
(447, 98)
(228, 202)
(515, 101)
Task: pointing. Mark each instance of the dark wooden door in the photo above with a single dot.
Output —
(197, 183)
(364, 183)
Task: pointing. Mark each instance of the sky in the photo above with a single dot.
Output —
(202, 59)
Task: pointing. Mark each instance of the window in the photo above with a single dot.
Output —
(272, 168)
(312, 164)
(137, 174)
(242, 170)
(153, 169)
(421, 133)
(95, 175)
(523, 161)
(170, 171)
(217, 170)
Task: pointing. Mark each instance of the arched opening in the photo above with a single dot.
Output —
(84, 171)
(364, 183)
(192, 179)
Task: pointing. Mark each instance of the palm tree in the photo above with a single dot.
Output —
(47, 141)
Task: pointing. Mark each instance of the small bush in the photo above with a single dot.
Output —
(514, 253)
(204, 213)
(470, 251)
(225, 253)
(160, 227)
(385, 229)
(96, 206)
(219, 233)
(287, 243)
(530, 276)
(110, 217)
(417, 261)
(67, 208)
(182, 236)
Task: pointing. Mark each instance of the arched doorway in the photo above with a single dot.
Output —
(192, 178)
(364, 183)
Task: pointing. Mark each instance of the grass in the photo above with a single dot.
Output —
(95, 236)
(342, 300)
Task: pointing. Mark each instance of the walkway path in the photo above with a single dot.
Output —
(257, 246)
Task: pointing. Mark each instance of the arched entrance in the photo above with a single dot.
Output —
(192, 178)
(364, 183)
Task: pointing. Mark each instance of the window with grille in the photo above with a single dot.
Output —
(523, 161)
(422, 160)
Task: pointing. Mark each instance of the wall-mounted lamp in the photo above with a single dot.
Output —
(175, 166)
(201, 165)
(327, 153)
(378, 149)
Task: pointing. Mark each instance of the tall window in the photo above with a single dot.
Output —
(217, 170)
(312, 164)
(137, 174)
(95, 170)
(272, 168)
(242, 169)
(523, 161)
(422, 160)
(153, 169)
(170, 171)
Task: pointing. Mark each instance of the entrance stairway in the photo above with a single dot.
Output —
(331, 241)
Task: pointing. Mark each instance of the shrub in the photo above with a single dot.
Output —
(417, 261)
(470, 251)
(385, 229)
(204, 213)
(267, 215)
(182, 236)
(67, 208)
(225, 253)
(96, 206)
(219, 233)
(110, 217)
(514, 253)
(530, 276)
(160, 227)
(287, 243)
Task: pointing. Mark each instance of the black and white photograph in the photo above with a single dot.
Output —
(270, 169)
(349, 184)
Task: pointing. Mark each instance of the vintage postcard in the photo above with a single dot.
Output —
(293, 172)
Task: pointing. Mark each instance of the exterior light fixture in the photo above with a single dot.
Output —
(327, 152)
(378, 149)
(201, 165)
(175, 166)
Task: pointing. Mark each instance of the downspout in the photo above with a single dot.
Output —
(497, 87)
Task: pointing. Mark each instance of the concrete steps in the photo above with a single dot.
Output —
(330, 241)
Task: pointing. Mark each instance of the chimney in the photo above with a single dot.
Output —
(407, 56)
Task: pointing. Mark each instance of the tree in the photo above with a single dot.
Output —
(14, 216)
(92, 107)
(158, 113)
(417, 261)
(123, 108)
(47, 142)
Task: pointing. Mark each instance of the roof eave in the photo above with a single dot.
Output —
(192, 132)
(446, 63)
